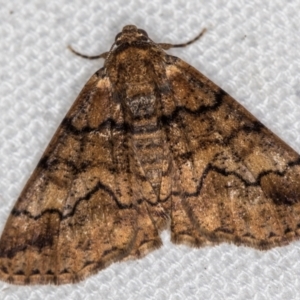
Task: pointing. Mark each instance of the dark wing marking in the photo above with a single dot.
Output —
(235, 180)
(84, 206)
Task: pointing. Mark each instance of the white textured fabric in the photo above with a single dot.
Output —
(251, 50)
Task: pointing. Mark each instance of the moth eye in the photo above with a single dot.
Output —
(117, 36)
(143, 32)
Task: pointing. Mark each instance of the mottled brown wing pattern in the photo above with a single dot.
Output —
(82, 208)
(236, 181)
(149, 141)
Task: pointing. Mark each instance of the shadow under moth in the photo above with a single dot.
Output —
(149, 144)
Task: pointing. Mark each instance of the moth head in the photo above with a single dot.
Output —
(129, 34)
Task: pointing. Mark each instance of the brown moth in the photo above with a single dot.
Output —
(149, 143)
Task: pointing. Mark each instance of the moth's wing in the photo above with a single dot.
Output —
(234, 180)
(83, 207)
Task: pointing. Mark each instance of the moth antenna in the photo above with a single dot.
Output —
(102, 55)
(166, 46)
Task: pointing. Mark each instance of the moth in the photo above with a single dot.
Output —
(150, 143)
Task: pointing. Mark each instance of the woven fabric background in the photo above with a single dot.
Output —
(251, 50)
